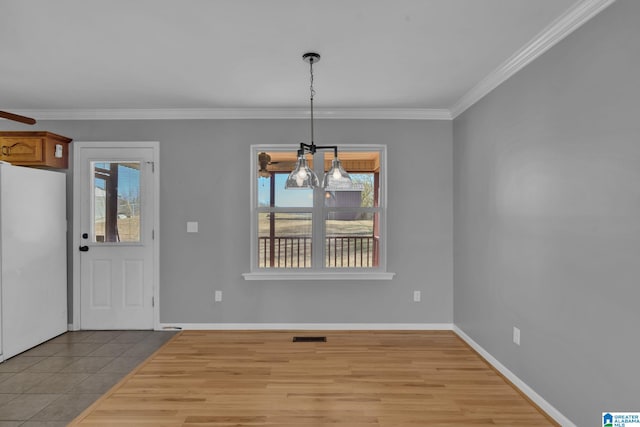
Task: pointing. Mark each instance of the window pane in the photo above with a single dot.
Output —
(361, 195)
(284, 240)
(116, 202)
(282, 198)
(273, 169)
(352, 239)
(364, 169)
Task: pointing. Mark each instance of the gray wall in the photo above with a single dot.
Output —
(547, 219)
(204, 176)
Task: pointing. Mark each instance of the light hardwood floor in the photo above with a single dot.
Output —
(355, 379)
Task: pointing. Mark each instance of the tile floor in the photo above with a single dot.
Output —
(54, 382)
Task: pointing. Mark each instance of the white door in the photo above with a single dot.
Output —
(117, 193)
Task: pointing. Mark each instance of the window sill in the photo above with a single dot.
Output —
(372, 275)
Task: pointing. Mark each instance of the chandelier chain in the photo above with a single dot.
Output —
(313, 92)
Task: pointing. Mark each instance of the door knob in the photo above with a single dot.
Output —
(84, 248)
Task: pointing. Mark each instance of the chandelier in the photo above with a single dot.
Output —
(302, 175)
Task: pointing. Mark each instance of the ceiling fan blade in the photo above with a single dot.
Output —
(17, 118)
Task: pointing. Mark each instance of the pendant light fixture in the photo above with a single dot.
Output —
(302, 175)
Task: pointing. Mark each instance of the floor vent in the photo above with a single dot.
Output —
(309, 339)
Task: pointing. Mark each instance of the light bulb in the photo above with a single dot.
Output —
(337, 177)
(302, 176)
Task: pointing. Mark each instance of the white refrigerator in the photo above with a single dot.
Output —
(33, 257)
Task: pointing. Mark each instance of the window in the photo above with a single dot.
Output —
(116, 202)
(318, 233)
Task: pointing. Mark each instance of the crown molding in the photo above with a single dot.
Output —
(239, 114)
(560, 28)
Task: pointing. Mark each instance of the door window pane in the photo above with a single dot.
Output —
(116, 202)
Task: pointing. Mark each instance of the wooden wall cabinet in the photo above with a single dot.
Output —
(35, 149)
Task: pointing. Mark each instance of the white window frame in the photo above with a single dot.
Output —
(319, 273)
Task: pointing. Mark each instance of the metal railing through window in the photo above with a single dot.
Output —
(340, 252)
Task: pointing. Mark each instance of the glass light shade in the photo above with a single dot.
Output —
(337, 178)
(301, 176)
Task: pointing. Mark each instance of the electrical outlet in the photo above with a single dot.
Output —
(218, 296)
(417, 296)
(516, 335)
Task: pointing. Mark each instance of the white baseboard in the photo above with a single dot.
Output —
(311, 326)
(524, 388)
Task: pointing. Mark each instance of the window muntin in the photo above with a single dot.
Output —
(318, 230)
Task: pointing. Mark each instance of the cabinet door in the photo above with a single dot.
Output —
(22, 149)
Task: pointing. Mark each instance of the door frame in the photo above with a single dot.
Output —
(76, 233)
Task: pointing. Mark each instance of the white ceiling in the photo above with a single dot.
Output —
(246, 54)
